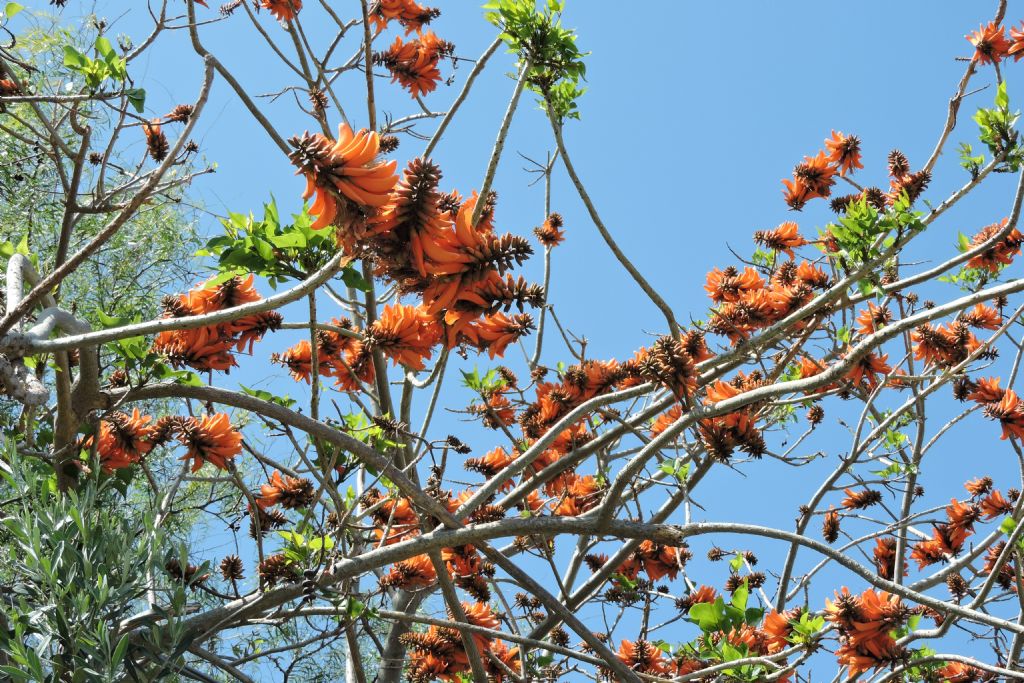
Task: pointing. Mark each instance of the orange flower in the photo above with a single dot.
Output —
(872, 319)
(983, 317)
(209, 348)
(796, 194)
(283, 10)
(994, 505)
(955, 672)
(844, 152)
(345, 166)
(990, 43)
(867, 369)
(156, 141)
(414, 64)
(661, 560)
(1017, 43)
(495, 332)
(1010, 414)
(405, 334)
(123, 440)
(202, 348)
(816, 174)
(784, 238)
(497, 411)
(731, 285)
(416, 572)
(987, 390)
(663, 421)
(290, 492)
(210, 439)
(1001, 253)
(491, 464)
(550, 233)
(408, 13)
(583, 494)
(643, 657)
(859, 500)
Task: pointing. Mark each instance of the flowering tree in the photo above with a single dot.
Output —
(159, 524)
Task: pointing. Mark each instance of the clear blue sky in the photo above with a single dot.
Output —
(695, 111)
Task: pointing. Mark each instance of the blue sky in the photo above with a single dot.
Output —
(694, 112)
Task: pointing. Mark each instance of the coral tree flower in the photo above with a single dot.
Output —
(211, 439)
(844, 152)
(990, 43)
(343, 169)
(283, 10)
(123, 440)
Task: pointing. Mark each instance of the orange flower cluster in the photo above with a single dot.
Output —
(872, 319)
(425, 243)
(1000, 404)
(991, 45)
(657, 561)
(211, 347)
(814, 176)
(948, 539)
(290, 492)
(495, 410)
(439, 653)
(405, 334)
(550, 233)
(784, 238)
(746, 302)
(864, 623)
(999, 254)
(283, 10)
(408, 13)
(644, 657)
(413, 64)
(771, 637)
(948, 345)
(393, 518)
(347, 359)
(722, 435)
(211, 439)
(581, 495)
(578, 384)
(956, 672)
(123, 440)
(345, 176)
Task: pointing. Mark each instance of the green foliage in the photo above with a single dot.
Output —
(537, 35)
(106, 65)
(722, 617)
(996, 131)
(719, 616)
(489, 382)
(77, 564)
(806, 628)
(863, 232)
(970, 161)
(272, 250)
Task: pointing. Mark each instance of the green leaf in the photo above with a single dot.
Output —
(1002, 99)
(136, 98)
(73, 59)
(740, 595)
(11, 9)
(105, 49)
(1008, 526)
(353, 278)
